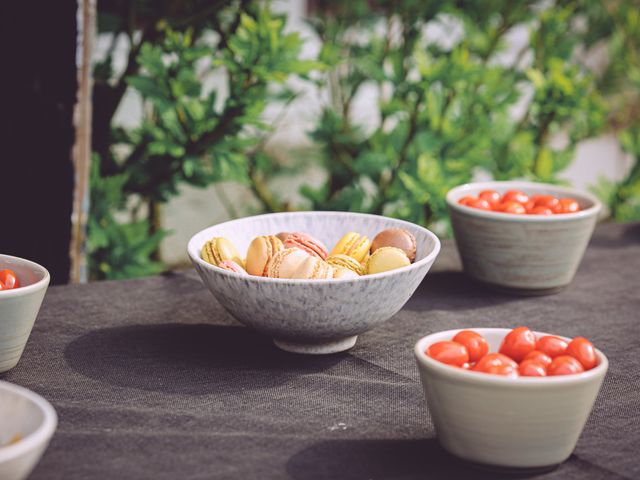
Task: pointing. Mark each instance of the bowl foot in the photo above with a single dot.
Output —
(316, 348)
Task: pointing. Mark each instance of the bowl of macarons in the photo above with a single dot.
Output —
(522, 237)
(509, 398)
(313, 281)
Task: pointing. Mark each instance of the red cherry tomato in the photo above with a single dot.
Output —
(518, 343)
(539, 357)
(466, 200)
(551, 345)
(549, 201)
(569, 205)
(475, 344)
(564, 365)
(504, 370)
(9, 279)
(490, 196)
(515, 196)
(479, 203)
(583, 350)
(451, 353)
(491, 360)
(2, 287)
(512, 207)
(532, 368)
(541, 211)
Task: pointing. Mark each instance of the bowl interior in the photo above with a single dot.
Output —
(328, 227)
(19, 416)
(494, 338)
(29, 273)
(585, 199)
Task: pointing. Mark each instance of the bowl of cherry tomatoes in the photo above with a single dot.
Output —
(509, 398)
(23, 285)
(522, 237)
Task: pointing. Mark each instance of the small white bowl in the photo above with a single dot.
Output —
(33, 420)
(19, 308)
(313, 316)
(506, 422)
(527, 254)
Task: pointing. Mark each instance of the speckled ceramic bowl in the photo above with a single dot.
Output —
(313, 316)
(19, 308)
(519, 423)
(526, 254)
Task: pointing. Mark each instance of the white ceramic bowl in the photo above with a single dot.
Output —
(19, 308)
(504, 422)
(529, 254)
(30, 417)
(313, 316)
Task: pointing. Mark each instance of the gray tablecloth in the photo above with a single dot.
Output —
(152, 379)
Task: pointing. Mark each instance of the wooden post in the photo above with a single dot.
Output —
(81, 153)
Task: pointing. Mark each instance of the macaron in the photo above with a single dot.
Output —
(396, 237)
(313, 268)
(260, 251)
(219, 249)
(285, 262)
(307, 243)
(387, 258)
(339, 260)
(283, 236)
(232, 266)
(354, 245)
(342, 273)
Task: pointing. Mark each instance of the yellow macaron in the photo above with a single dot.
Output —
(219, 249)
(345, 261)
(354, 245)
(387, 258)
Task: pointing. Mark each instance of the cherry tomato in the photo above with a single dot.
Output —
(583, 350)
(532, 368)
(9, 279)
(539, 357)
(466, 200)
(541, 211)
(480, 203)
(518, 343)
(569, 205)
(551, 345)
(549, 201)
(2, 287)
(515, 196)
(491, 360)
(504, 370)
(490, 196)
(451, 353)
(512, 207)
(475, 343)
(564, 365)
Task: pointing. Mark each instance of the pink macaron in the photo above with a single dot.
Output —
(232, 266)
(306, 243)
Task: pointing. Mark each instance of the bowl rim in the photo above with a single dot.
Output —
(594, 209)
(43, 432)
(195, 256)
(458, 374)
(27, 289)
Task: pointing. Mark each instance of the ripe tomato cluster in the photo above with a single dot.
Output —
(521, 354)
(8, 280)
(515, 201)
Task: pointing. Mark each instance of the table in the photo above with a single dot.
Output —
(153, 379)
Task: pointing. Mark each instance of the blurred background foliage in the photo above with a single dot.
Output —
(452, 106)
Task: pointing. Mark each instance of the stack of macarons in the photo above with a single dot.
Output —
(301, 256)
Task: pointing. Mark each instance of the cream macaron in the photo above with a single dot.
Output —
(285, 263)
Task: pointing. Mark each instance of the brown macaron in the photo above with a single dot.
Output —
(398, 238)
